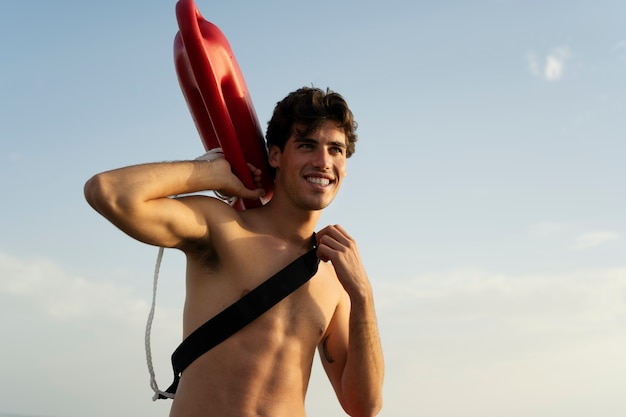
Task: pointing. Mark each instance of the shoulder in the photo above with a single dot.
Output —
(210, 210)
(230, 233)
(218, 219)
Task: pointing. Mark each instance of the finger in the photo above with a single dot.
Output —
(256, 175)
(322, 256)
(330, 243)
(252, 194)
(330, 230)
(343, 232)
(254, 170)
(334, 235)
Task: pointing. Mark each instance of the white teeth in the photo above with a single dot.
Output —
(318, 180)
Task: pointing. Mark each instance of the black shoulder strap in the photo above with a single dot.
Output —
(242, 312)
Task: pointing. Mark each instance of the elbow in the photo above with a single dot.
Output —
(100, 193)
(377, 407)
(95, 191)
(371, 411)
(365, 408)
(365, 411)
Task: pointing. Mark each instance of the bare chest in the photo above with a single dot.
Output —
(304, 313)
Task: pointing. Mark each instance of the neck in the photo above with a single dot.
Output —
(289, 223)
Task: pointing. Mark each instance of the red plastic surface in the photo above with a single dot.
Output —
(218, 98)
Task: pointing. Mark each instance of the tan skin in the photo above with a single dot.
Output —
(264, 369)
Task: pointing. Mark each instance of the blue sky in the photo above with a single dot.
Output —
(486, 193)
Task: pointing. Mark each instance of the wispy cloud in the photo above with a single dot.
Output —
(470, 332)
(459, 334)
(619, 49)
(573, 240)
(593, 239)
(620, 45)
(539, 300)
(550, 67)
(13, 156)
(546, 229)
(59, 295)
(87, 331)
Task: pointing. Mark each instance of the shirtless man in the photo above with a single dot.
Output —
(264, 369)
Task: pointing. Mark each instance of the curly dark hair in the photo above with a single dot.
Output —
(310, 107)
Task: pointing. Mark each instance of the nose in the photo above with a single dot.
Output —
(322, 158)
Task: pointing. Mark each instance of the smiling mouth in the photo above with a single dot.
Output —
(318, 181)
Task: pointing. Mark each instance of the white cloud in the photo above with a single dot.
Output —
(546, 229)
(491, 344)
(552, 67)
(593, 239)
(555, 65)
(620, 49)
(67, 335)
(46, 287)
(477, 293)
(620, 45)
(461, 342)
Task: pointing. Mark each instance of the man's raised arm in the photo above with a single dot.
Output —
(137, 198)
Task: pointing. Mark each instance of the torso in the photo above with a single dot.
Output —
(264, 369)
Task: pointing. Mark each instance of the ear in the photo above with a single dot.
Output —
(274, 156)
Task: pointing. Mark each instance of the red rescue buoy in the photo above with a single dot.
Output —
(218, 99)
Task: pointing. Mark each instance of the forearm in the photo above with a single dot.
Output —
(362, 377)
(358, 377)
(135, 199)
(141, 183)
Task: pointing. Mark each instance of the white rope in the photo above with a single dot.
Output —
(211, 155)
(153, 383)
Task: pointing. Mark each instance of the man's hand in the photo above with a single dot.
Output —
(231, 186)
(338, 247)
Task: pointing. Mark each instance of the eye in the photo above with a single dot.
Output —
(336, 150)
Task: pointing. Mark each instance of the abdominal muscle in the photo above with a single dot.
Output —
(238, 379)
(263, 370)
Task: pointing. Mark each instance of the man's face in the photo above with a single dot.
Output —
(310, 169)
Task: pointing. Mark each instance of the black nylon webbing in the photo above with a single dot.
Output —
(242, 312)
